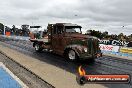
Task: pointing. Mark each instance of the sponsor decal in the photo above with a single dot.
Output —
(114, 42)
(83, 78)
(109, 48)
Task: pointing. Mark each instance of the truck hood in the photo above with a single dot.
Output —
(77, 35)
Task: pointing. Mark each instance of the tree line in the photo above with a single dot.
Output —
(106, 36)
(23, 31)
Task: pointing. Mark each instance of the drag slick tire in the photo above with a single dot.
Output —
(38, 47)
(71, 55)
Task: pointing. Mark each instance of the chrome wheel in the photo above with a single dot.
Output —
(72, 55)
(36, 47)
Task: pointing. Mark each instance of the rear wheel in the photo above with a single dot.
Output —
(38, 48)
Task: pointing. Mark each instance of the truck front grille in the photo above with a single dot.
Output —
(92, 46)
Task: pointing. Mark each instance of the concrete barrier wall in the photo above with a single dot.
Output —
(116, 50)
(126, 50)
(109, 48)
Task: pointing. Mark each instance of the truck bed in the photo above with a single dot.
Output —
(39, 40)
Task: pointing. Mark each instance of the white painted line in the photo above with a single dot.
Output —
(13, 76)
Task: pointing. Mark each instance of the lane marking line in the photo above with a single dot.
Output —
(13, 76)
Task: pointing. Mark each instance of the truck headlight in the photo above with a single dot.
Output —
(85, 49)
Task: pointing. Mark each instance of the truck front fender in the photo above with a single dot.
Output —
(77, 48)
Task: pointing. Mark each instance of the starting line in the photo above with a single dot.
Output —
(8, 79)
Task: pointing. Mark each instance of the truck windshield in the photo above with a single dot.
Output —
(73, 30)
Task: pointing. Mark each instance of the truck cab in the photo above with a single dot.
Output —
(67, 39)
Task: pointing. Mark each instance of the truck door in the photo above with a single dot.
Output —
(57, 39)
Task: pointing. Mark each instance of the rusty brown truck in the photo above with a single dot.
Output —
(67, 39)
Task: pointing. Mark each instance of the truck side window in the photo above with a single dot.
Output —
(55, 30)
(59, 29)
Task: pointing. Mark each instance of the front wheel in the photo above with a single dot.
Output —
(71, 55)
(38, 48)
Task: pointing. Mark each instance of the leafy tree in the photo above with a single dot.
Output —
(13, 29)
(1, 28)
(97, 34)
(121, 36)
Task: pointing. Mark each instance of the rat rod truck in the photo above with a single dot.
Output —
(67, 39)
